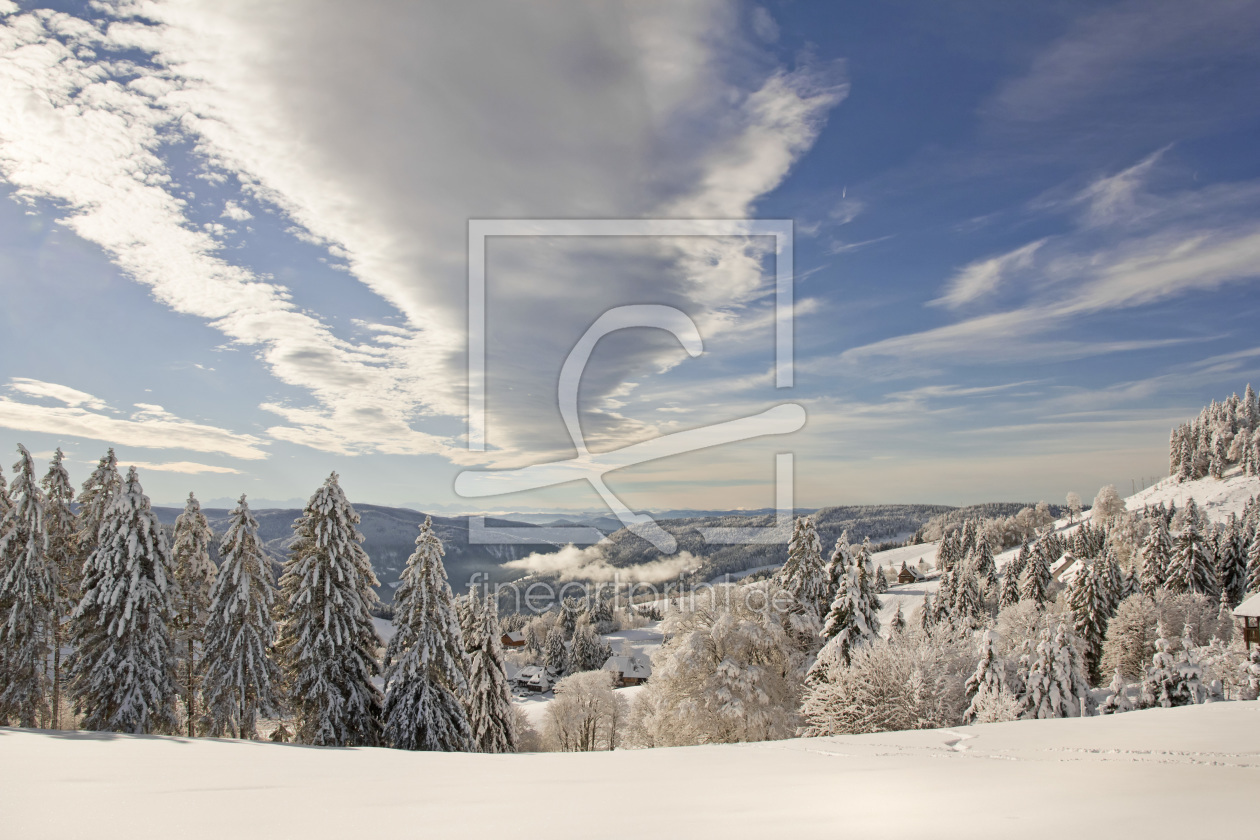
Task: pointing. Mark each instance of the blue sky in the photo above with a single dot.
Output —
(233, 240)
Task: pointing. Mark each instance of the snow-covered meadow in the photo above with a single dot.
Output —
(1182, 772)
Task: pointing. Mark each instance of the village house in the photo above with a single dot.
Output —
(628, 670)
(908, 574)
(513, 639)
(1249, 612)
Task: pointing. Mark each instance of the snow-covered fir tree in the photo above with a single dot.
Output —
(1090, 603)
(588, 651)
(556, 652)
(1189, 687)
(65, 556)
(927, 614)
(968, 610)
(990, 674)
(1160, 686)
(881, 580)
(426, 667)
(491, 715)
(98, 492)
(967, 539)
(121, 669)
(27, 589)
(1156, 556)
(241, 680)
(898, 622)
(982, 564)
(1034, 584)
(1009, 594)
(803, 575)
(194, 578)
(328, 645)
(836, 566)
(947, 552)
(946, 594)
(1192, 569)
(853, 619)
(1117, 700)
(1056, 681)
(1231, 563)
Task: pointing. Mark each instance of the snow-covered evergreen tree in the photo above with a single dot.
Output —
(121, 669)
(881, 580)
(1231, 563)
(589, 652)
(241, 679)
(64, 554)
(1156, 555)
(1034, 584)
(968, 609)
(1117, 701)
(328, 645)
(1056, 681)
(967, 539)
(556, 652)
(990, 674)
(1192, 569)
(927, 614)
(1189, 687)
(1160, 686)
(983, 566)
(1090, 604)
(426, 667)
(98, 492)
(491, 715)
(853, 619)
(194, 579)
(898, 623)
(836, 566)
(28, 587)
(1009, 593)
(803, 575)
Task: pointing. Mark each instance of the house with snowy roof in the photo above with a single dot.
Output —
(628, 670)
(533, 678)
(513, 639)
(1249, 612)
(908, 574)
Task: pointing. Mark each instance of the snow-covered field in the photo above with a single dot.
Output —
(1185, 772)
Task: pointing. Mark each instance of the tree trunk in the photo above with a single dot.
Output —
(191, 700)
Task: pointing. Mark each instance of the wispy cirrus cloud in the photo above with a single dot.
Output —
(149, 426)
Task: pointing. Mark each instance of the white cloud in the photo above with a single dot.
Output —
(183, 467)
(590, 564)
(586, 111)
(61, 393)
(984, 277)
(235, 212)
(151, 427)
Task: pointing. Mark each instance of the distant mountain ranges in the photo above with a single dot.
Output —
(390, 534)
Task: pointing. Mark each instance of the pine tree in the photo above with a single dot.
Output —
(240, 677)
(491, 715)
(946, 595)
(983, 565)
(898, 623)
(1188, 689)
(853, 619)
(65, 556)
(927, 614)
(1009, 594)
(803, 576)
(1192, 569)
(947, 553)
(834, 571)
(968, 609)
(426, 666)
(27, 591)
(1160, 686)
(328, 644)
(556, 653)
(1090, 605)
(990, 674)
(880, 580)
(1117, 701)
(588, 653)
(121, 667)
(1034, 584)
(1156, 557)
(1055, 682)
(967, 540)
(98, 492)
(1231, 564)
(194, 580)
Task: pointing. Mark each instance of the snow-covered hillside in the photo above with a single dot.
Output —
(1184, 772)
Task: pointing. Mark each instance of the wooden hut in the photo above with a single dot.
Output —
(1249, 612)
